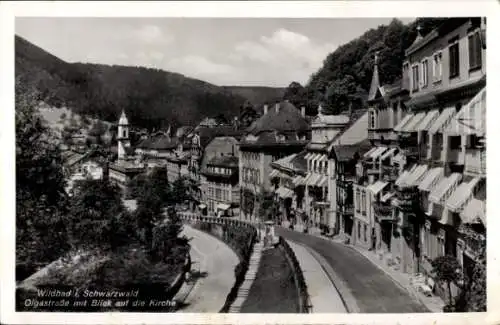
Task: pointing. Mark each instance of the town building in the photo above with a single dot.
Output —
(316, 183)
(282, 130)
(379, 167)
(438, 198)
(220, 186)
(200, 138)
(128, 165)
(287, 178)
(83, 166)
(344, 159)
(219, 178)
(304, 182)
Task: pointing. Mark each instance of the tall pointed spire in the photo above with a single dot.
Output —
(375, 85)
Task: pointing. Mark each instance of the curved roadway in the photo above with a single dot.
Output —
(372, 289)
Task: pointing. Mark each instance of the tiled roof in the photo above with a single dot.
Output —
(164, 143)
(269, 138)
(288, 118)
(208, 134)
(348, 152)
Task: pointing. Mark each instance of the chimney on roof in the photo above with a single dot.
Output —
(265, 109)
(277, 106)
(303, 111)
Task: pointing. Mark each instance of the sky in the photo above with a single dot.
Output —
(223, 51)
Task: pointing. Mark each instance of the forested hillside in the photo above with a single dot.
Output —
(347, 71)
(151, 97)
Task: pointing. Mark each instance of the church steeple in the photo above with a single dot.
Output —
(123, 136)
(375, 85)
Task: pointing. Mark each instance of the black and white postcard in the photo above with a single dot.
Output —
(225, 162)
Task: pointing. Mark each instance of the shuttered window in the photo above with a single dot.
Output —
(475, 59)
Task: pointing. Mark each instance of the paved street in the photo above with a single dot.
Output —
(213, 264)
(372, 289)
(323, 295)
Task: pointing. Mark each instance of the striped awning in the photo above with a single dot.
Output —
(457, 200)
(427, 121)
(413, 123)
(376, 187)
(298, 180)
(388, 153)
(403, 122)
(443, 187)
(472, 118)
(442, 121)
(323, 181)
(402, 178)
(367, 154)
(387, 196)
(274, 173)
(322, 158)
(284, 192)
(308, 156)
(416, 176)
(375, 154)
(430, 180)
(474, 212)
(223, 206)
(313, 179)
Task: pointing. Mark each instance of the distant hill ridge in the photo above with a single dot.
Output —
(152, 98)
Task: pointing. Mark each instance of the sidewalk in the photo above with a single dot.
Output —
(434, 304)
(323, 295)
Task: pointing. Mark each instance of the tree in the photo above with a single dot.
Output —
(41, 233)
(296, 94)
(476, 297)
(180, 190)
(96, 210)
(447, 270)
(248, 114)
(337, 97)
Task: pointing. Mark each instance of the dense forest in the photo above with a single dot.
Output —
(151, 97)
(347, 72)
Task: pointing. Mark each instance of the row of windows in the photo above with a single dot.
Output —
(360, 201)
(219, 194)
(251, 156)
(251, 175)
(420, 72)
(219, 170)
